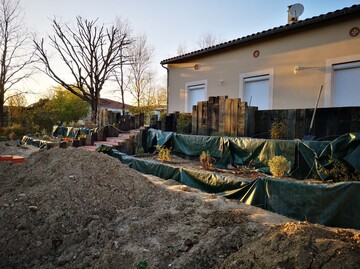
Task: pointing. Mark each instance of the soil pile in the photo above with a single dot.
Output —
(70, 208)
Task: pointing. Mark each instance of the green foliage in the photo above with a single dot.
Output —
(182, 123)
(278, 166)
(17, 109)
(163, 116)
(279, 130)
(142, 265)
(15, 131)
(163, 153)
(139, 151)
(66, 107)
(63, 106)
(41, 116)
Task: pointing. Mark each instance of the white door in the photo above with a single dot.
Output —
(257, 91)
(346, 84)
(195, 94)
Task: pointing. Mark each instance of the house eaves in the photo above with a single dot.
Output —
(285, 29)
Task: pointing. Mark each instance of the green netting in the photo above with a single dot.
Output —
(209, 182)
(193, 145)
(335, 205)
(259, 151)
(240, 151)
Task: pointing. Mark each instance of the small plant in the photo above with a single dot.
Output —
(82, 136)
(206, 161)
(12, 136)
(245, 169)
(46, 138)
(163, 154)
(279, 130)
(278, 166)
(139, 151)
(340, 171)
(142, 265)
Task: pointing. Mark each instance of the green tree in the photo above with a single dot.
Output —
(40, 116)
(67, 107)
(17, 109)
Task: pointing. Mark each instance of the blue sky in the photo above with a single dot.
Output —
(167, 23)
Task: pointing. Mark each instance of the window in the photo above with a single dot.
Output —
(256, 89)
(195, 92)
(346, 84)
(342, 81)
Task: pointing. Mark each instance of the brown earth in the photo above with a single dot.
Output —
(70, 208)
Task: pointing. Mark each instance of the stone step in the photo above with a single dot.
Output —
(116, 139)
(106, 143)
(90, 148)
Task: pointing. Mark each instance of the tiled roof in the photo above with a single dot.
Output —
(111, 104)
(302, 24)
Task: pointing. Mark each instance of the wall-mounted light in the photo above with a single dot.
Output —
(297, 69)
(221, 82)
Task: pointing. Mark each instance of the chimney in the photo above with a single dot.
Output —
(294, 12)
(291, 19)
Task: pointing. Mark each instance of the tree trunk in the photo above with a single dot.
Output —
(94, 110)
(2, 115)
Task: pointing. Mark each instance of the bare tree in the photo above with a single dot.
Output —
(140, 73)
(89, 52)
(16, 55)
(208, 40)
(182, 48)
(124, 32)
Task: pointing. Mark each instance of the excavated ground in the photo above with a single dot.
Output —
(70, 208)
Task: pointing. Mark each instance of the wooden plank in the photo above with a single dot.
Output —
(204, 129)
(214, 128)
(234, 116)
(227, 117)
(194, 121)
(241, 122)
(221, 128)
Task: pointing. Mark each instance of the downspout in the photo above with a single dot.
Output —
(167, 88)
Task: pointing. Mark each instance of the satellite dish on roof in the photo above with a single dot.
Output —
(295, 12)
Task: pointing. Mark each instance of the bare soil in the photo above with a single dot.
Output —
(70, 208)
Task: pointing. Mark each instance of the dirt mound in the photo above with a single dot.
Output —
(78, 209)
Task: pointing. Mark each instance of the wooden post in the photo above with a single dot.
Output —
(194, 122)
(241, 123)
(227, 115)
(222, 115)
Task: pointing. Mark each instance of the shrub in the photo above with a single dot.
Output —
(206, 161)
(278, 166)
(46, 138)
(182, 123)
(15, 131)
(139, 151)
(163, 154)
(278, 130)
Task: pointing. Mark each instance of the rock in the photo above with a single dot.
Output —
(33, 208)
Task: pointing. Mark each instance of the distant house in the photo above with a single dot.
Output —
(279, 68)
(109, 105)
(113, 106)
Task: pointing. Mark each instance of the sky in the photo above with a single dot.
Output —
(168, 23)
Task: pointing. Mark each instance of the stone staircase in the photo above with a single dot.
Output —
(120, 142)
